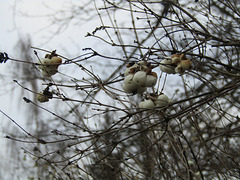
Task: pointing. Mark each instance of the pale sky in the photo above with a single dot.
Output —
(31, 18)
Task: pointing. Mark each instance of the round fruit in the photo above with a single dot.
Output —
(42, 98)
(140, 78)
(151, 79)
(186, 64)
(162, 100)
(129, 86)
(147, 104)
(167, 67)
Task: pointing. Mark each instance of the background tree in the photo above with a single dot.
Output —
(94, 130)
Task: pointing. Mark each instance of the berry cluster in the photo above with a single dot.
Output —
(175, 64)
(155, 100)
(49, 65)
(45, 95)
(139, 76)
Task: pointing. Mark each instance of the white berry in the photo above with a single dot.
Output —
(162, 100)
(129, 86)
(140, 78)
(151, 80)
(167, 67)
(147, 104)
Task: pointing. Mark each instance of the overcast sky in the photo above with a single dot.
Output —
(31, 18)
